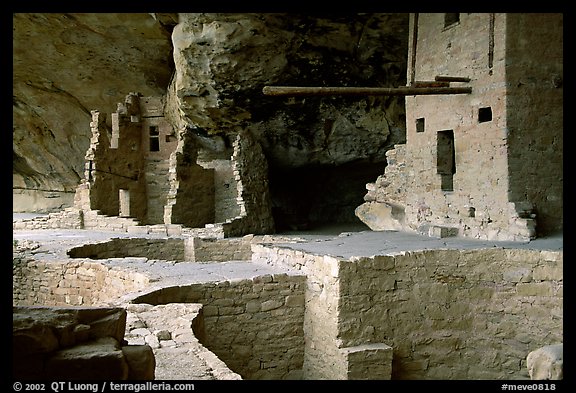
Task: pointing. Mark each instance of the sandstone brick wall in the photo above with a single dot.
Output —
(157, 188)
(70, 218)
(226, 205)
(250, 170)
(114, 164)
(253, 325)
(481, 175)
(323, 358)
(217, 250)
(71, 283)
(447, 314)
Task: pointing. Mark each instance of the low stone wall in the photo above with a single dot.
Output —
(254, 325)
(74, 218)
(218, 250)
(167, 329)
(447, 314)
(70, 283)
(165, 249)
(69, 218)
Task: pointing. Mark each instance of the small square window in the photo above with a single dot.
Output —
(484, 114)
(420, 124)
(451, 18)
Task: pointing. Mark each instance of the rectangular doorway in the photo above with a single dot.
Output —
(446, 159)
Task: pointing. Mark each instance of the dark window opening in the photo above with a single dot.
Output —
(154, 139)
(484, 114)
(446, 159)
(90, 168)
(420, 124)
(451, 18)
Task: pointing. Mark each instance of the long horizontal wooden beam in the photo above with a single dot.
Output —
(443, 78)
(361, 91)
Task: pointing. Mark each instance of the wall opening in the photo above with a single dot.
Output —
(446, 159)
(420, 124)
(320, 196)
(451, 18)
(484, 114)
(154, 138)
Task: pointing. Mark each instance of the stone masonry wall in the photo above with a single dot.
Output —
(190, 249)
(446, 314)
(157, 157)
(480, 181)
(116, 163)
(253, 325)
(250, 170)
(226, 205)
(323, 358)
(190, 201)
(71, 283)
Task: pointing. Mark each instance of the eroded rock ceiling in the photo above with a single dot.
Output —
(212, 68)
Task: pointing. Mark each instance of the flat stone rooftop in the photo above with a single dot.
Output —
(338, 241)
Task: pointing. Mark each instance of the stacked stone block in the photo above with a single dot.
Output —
(84, 344)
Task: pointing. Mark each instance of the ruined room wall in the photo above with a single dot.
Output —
(117, 160)
(534, 76)
(250, 169)
(447, 314)
(225, 189)
(157, 156)
(481, 178)
(190, 201)
(253, 325)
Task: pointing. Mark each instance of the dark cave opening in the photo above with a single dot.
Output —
(316, 196)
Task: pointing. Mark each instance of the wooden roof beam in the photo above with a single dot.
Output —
(361, 91)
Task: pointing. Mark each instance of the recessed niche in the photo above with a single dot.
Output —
(484, 114)
(420, 124)
(445, 159)
(451, 18)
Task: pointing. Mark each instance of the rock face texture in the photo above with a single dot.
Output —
(80, 343)
(546, 363)
(223, 61)
(66, 65)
